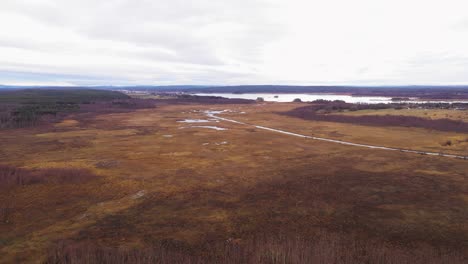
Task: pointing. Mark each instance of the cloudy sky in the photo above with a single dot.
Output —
(228, 42)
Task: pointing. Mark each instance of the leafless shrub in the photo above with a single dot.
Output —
(325, 247)
(447, 143)
(6, 210)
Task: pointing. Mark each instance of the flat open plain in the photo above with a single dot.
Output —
(161, 176)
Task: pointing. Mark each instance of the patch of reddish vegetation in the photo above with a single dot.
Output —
(12, 176)
(311, 112)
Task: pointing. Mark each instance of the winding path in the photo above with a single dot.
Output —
(213, 114)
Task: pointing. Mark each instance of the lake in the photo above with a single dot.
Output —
(289, 97)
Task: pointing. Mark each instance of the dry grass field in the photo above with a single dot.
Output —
(157, 179)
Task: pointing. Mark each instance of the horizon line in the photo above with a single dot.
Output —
(231, 85)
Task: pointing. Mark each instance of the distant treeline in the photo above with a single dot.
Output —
(64, 96)
(420, 91)
(25, 108)
(189, 98)
(339, 106)
(31, 107)
(323, 111)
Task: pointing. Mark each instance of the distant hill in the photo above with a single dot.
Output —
(421, 91)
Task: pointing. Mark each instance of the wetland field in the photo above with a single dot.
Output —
(93, 176)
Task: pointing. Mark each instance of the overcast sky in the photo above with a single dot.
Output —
(228, 42)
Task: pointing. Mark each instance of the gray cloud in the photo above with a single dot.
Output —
(177, 26)
(232, 42)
